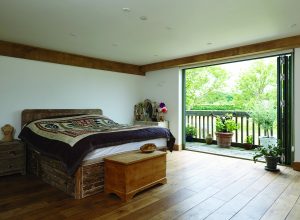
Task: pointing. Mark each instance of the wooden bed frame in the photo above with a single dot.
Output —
(88, 179)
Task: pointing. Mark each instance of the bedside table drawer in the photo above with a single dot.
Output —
(11, 153)
(7, 166)
(6, 146)
(12, 158)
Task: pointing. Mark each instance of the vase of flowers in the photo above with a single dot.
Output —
(162, 109)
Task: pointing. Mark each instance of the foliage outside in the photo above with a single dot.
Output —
(215, 107)
(213, 88)
(226, 123)
(265, 116)
(190, 131)
(203, 85)
(249, 139)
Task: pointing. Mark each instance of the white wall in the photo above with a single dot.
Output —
(165, 86)
(297, 105)
(28, 84)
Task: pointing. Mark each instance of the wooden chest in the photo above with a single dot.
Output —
(12, 158)
(128, 173)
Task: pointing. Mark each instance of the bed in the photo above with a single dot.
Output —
(88, 177)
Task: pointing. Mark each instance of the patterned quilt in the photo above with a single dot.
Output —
(70, 139)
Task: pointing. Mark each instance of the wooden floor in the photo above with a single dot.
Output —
(200, 186)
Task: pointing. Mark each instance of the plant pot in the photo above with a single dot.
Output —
(266, 141)
(271, 163)
(208, 140)
(189, 138)
(248, 146)
(224, 138)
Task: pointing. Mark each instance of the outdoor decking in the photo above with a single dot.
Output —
(236, 152)
(205, 123)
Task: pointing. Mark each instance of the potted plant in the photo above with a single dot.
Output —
(248, 142)
(190, 133)
(264, 115)
(225, 125)
(271, 153)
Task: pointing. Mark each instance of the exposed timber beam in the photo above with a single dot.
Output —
(40, 54)
(253, 49)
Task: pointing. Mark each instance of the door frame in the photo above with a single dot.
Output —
(291, 95)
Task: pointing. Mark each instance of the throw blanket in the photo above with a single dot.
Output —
(70, 139)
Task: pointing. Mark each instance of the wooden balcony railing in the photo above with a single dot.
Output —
(205, 123)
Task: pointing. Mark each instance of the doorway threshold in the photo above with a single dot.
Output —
(234, 152)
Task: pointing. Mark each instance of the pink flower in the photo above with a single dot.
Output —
(164, 109)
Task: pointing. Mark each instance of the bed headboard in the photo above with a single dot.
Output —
(29, 115)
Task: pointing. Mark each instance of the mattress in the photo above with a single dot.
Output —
(98, 154)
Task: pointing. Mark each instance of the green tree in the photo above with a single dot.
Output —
(201, 82)
(256, 84)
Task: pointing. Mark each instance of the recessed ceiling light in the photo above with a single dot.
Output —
(143, 18)
(293, 25)
(126, 9)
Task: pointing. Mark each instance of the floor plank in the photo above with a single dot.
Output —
(295, 212)
(283, 205)
(257, 207)
(200, 186)
(230, 208)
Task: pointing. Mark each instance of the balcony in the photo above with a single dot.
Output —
(205, 123)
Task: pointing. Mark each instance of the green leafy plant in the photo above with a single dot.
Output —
(190, 131)
(264, 114)
(274, 150)
(216, 107)
(249, 139)
(226, 123)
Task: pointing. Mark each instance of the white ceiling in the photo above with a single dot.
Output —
(173, 29)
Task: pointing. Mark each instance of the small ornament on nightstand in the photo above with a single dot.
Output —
(162, 109)
(8, 132)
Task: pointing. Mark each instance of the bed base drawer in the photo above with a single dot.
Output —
(88, 179)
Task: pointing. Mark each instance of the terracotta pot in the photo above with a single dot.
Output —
(248, 146)
(224, 139)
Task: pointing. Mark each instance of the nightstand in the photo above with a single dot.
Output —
(164, 124)
(12, 158)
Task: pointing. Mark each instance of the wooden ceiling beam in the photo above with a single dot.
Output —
(40, 54)
(253, 49)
